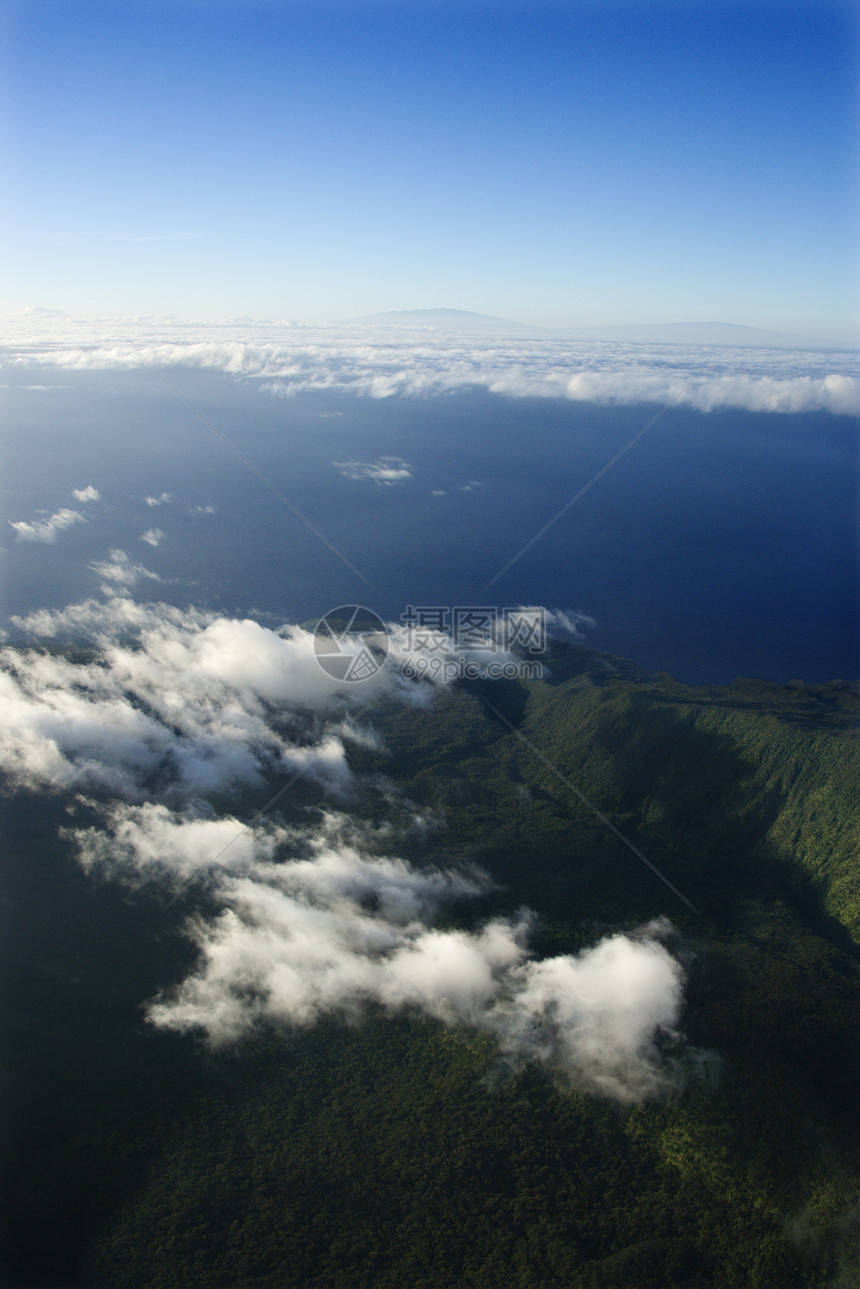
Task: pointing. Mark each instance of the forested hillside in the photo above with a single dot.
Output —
(401, 1151)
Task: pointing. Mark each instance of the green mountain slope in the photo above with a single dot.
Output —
(727, 791)
(401, 1152)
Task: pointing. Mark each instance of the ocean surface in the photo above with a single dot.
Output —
(722, 544)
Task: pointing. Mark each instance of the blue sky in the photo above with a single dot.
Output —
(557, 163)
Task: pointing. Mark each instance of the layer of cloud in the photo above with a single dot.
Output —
(311, 926)
(387, 470)
(174, 704)
(173, 711)
(186, 702)
(291, 359)
(105, 622)
(45, 530)
(565, 624)
(119, 570)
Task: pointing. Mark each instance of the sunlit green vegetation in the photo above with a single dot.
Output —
(401, 1153)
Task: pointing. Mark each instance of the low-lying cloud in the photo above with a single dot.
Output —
(182, 701)
(387, 470)
(175, 704)
(312, 926)
(120, 571)
(45, 530)
(291, 359)
(173, 710)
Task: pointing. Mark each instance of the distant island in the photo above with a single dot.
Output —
(468, 322)
(460, 320)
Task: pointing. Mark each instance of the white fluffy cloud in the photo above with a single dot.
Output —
(150, 842)
(564, 624)
(290, 359)
(183, 701)
(597, 1014)
(161, 500)
(120, 571)
(312, 925)
(152, 537)
(176, 708)
(175, 703)
(106, 621)
(45, 530)
(387, 470)
(286, 955)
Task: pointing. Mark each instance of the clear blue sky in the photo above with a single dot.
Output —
(552, 162)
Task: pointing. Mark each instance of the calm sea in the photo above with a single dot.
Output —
(722, 544)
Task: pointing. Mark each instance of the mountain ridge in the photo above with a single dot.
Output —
(466, 321)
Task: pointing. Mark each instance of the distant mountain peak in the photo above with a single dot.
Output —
(463, 320)
(37, 311)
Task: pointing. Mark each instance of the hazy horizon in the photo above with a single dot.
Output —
(836, 334)
(559, 165)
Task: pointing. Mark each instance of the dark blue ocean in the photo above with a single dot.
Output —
(722, 544)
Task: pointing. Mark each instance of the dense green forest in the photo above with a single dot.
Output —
(401, 1151)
